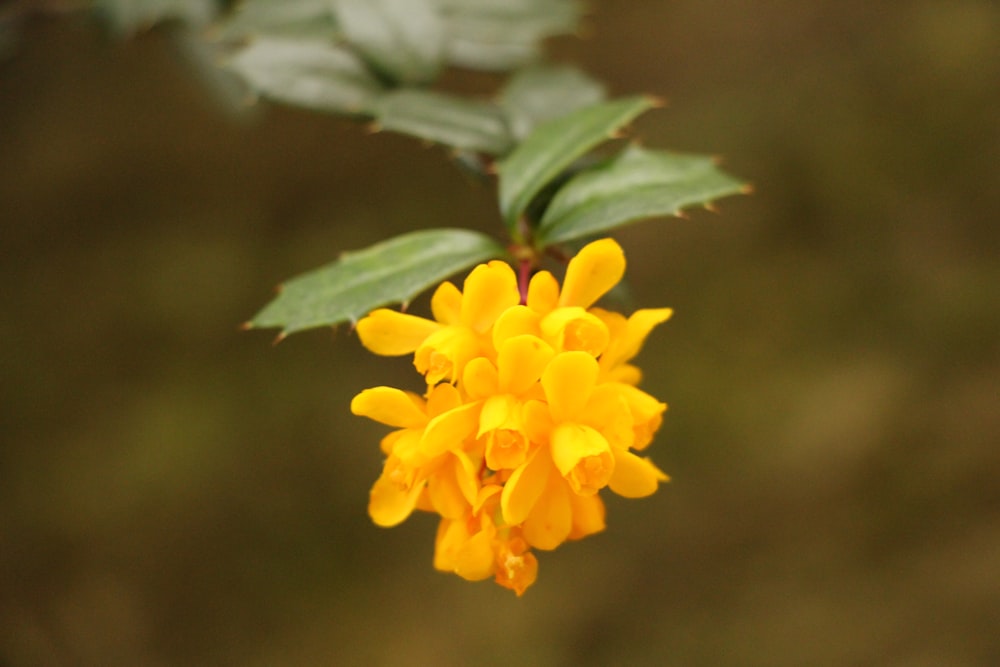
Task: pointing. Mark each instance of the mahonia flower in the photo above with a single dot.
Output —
(531, 409)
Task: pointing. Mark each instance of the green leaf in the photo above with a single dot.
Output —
(285, 18)
(393, 271)
(404, 40)
(309, 73)
(498, 35)
(543, 92)
(446, 119)
(127, 16)
(555, 145)
(638, 184)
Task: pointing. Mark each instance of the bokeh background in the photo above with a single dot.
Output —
(174, 491)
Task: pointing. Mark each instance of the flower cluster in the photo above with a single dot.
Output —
(531, 409)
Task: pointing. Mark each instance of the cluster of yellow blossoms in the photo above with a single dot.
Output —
(531, 408)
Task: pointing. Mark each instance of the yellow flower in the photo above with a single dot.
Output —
(531, 410)
(460, 330)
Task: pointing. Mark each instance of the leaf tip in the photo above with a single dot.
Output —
(679, 213)
(280, 337)
(373, 127)
(656, 101)
(247, 326)
(710, 207)
(747, 189)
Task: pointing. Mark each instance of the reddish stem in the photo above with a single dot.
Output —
(523, 277)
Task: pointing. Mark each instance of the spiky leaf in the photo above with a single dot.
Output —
(404, 40)
(445, 119)
(307, 72)
(542, 92)
(638, 184)
(555, 145)
(499, 35)
(392, 271)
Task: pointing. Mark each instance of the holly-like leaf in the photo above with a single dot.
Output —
(392, 271)
(638, 184)
(445, 119)
(497, 35)
(542, 92)
(306, 72)
(404, 40)
(555, 145)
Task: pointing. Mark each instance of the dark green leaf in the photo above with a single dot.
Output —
(446, 119)
(638, 184)
(309, 73)
(404, 40)
(555, 145)
(543, 92)
(393, 271)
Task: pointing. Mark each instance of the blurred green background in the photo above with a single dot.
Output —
(176, 492)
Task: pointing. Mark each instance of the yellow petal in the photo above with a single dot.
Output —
(646, 411)
(480, 378)
(626, 374)
(573, 328)
(389, 504)
(443, 355)
(449, 431)
(568, 381)
(451, 535)
(536, 420)
(487, 494)
(468, 477)
(516, 571)
(475, 559)
(525, 485)
(551, 519)
(515, 321)
(608, 412)
(446, 304)
(497, 413)
(521, 361)
(444, 488)
(582, 456)
(588, 515)
(441, 398)
(543, 292)
(390, 406)
(596, 269)
(489, 290)
(506, 449)
(391, 333)
(628, 342)
(635, 477)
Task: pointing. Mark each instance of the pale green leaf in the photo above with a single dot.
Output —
(554, 146)
(392, 271)
(543, 92)
(454, 121)
(638, 184)
(499, 35)
(311, 73)
(279, 18)
(404, 40)
(127, 16)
